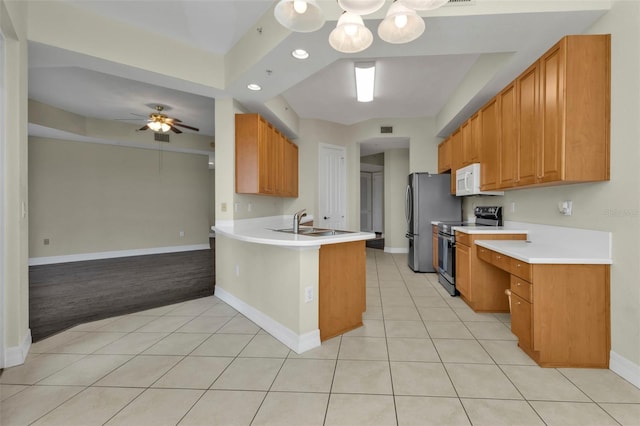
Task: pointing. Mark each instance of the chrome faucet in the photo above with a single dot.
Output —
(297, 217)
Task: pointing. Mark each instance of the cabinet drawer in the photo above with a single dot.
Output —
(485, 254)
(500, 260)
(462, 238)
(521, 269)
(522, 288)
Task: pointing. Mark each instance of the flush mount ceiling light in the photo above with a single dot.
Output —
(365, 80)
(361, 7)
(254, 86)
(423, 4)
(300, 54)
(303, 16)
(401, 25)
(350, 34)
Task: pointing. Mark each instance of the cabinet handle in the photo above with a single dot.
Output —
(517, 265)
(498, 257)
(518, 284)
(517, 303)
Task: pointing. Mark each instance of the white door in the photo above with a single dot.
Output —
(377, 202)
(332, 171)
(366, 223)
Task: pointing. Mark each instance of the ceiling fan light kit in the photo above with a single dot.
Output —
(302, 16)
(160, 123)
(350, 34)
(401, 25)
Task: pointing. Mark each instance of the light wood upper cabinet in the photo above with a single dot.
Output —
(508, 139)
(575, 103)
(444, 156)
(489, 168)
(549, 126)
(266, 162)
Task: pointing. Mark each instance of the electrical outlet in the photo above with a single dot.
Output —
(308, 294)
(223, 207)
(237, 270)
(249, 207)
(236, 207)
(182, 233)
(46, 241)
(565, 207)
(513, 207)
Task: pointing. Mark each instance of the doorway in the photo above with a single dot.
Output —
(332, 191)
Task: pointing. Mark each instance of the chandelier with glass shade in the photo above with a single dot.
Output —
(401, 24)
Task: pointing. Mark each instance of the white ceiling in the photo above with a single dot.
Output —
(413, 80)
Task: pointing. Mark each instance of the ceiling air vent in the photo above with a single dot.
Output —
(386, 129)
(161, 137)
(460, 2)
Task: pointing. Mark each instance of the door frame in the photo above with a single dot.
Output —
(3, 73)
(321, 147)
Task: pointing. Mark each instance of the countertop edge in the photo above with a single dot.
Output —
(495, 245)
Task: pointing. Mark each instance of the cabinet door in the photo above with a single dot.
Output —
(528, 116)
(521, 320)
(475, 143)
(552, 106)
(456, 157)
(444, 156)
(490, 143)
(465, 144)
(508, 170)
(463, 269)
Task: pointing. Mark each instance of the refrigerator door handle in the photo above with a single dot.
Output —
(408, 205)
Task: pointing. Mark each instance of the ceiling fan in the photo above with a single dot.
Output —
(159, 122)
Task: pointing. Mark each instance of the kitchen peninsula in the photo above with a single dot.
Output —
(299, 288)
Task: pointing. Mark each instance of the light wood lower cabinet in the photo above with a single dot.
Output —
(560, 313)
(342, 288)
(480, 285)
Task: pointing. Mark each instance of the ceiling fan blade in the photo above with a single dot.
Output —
(145, 127)
(187, 127)
(175, 130)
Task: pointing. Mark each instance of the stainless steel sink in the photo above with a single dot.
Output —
(314, 232)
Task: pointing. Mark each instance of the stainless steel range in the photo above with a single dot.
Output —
(485, 216)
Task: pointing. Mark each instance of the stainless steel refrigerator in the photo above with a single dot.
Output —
(427, 199)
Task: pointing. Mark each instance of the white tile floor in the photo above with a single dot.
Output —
(422, 358)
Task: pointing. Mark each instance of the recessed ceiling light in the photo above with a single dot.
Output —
(300, 54)
(254, 86)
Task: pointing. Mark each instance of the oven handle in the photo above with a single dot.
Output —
(450, 238)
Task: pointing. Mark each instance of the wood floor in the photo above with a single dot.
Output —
(67, 294)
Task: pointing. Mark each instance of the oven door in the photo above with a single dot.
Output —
(446, 257)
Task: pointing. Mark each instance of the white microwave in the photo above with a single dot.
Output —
(468, 181)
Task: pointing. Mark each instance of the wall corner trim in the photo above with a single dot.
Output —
(16, 355)
(296, 342)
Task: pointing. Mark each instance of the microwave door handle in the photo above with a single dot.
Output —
(466, 181)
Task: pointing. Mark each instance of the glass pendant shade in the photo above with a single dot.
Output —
(303, 16)
(401, 25)
(423, 4)
(361, 7)
(350, 34)
(154, 125)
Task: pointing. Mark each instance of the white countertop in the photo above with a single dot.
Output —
(541, 252)
(479, 229)
(261, 231)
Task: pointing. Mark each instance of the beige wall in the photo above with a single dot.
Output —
(88, 198)
(15, 181)
(271, 279)
(396, 169)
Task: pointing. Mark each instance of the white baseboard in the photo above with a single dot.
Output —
(17, 354)
(396, 250)
(35, 261)
(296, 342)
(625, 368)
